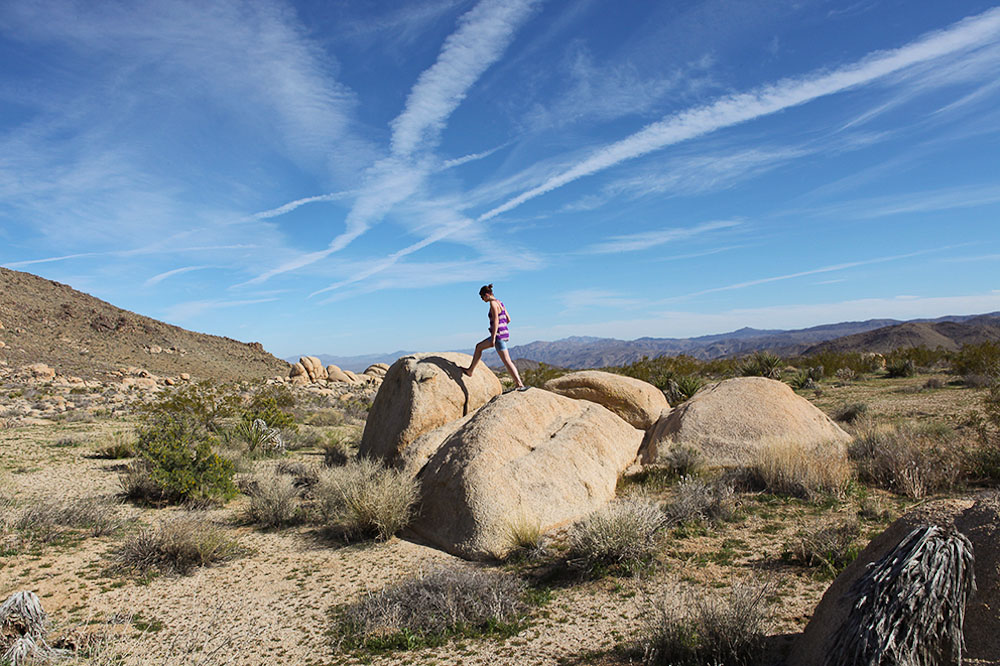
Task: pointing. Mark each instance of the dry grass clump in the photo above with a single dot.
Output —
(620, 538)
(176, 546)
(274, 500)
(681, 460)
(428, 609)
(120, 444)
(831, 545)
(526, 539)
(47, 520)
(907, 459)
(338, 447)
(716, 630)
(325, 417)
(788, 468)
(696, 500)
(363, 498)
(851, 413)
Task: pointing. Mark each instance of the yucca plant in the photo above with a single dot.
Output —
(760, 364)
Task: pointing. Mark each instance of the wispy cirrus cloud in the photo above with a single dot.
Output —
(649, 239)
(482, 35)
(160, 277)
(739, 108)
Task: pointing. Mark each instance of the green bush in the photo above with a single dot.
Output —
(682, 388)
(900, 367)
(177, 464)
(269, 404)
(204, 404)
(980, 359)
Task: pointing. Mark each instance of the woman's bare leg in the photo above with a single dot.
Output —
(481, 346)
(511, 368)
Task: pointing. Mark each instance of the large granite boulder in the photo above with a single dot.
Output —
(533, 457)
(335, 374)
(729, 422)
(977, 519)
(638, 402)
(313, 367)
(421, 392)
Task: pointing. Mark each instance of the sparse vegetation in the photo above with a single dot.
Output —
(526, 539)
(176, 545)
(260, 438)
(48, 520)
(977, 360)
(696, 500)
(620, 538)
(788, 468)
(831, 545)
(364, 499)
(761, 364)
(121, 444)
(907, 459)
(682, 388)
(274, 500)
(851, 412)
(432, 608)
(696, 630)
(900, 367)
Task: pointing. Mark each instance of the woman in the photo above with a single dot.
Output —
(498, 336)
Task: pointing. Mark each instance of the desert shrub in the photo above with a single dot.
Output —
(801, 380)
(274, 500)
(47, 520)
(338, 448)
(325, 417)
(177, 545)
(695, 500)
(900, 367)
(177, 464)
(204, 404)
(977, 359)
(978, 381)
(259, 438)
(269, 403)
(827, 363)
(525, 539)
(539, 375)
(689, 630)
(120, 444)
(851, 412)
(760, 364)
(907, 459)
(620, 538)
(934, 383)
(831, 545)
(365, 499)
(304, 476)
(788, 468)
(682, 388)
(429, 609)
(680, 460)
(846, 375)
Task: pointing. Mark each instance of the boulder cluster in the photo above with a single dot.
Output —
(487, 460)
(310, 370)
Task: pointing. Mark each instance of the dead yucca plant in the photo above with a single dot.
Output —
(789, 468)
(23, 627)
(909, 606)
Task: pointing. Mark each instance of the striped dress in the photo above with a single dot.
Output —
(502, 320)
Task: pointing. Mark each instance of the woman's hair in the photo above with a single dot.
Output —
(486, 289)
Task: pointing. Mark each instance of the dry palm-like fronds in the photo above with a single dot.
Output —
(23, 625)
(910, 605)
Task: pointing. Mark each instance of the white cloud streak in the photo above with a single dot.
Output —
(649, 239)
(740, 108)
(156, 279)
(292, 205)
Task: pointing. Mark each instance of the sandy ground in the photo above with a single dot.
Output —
(272, 605)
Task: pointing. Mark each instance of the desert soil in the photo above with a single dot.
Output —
(273, 604)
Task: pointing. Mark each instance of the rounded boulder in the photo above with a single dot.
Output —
(637, 402)
(422, 392)
(533, 458)
(729, 422)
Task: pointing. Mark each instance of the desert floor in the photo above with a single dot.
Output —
(272, 605)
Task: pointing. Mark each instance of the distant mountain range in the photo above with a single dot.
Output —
(880, 335)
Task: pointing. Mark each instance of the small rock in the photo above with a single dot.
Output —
(169, 382)
(185, 377)
(155, 349)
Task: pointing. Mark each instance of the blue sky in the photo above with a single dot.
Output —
(342, 177)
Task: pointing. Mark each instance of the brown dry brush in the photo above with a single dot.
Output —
(910, 605)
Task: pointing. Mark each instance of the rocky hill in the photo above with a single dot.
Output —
(42, 321)
(950, 335)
